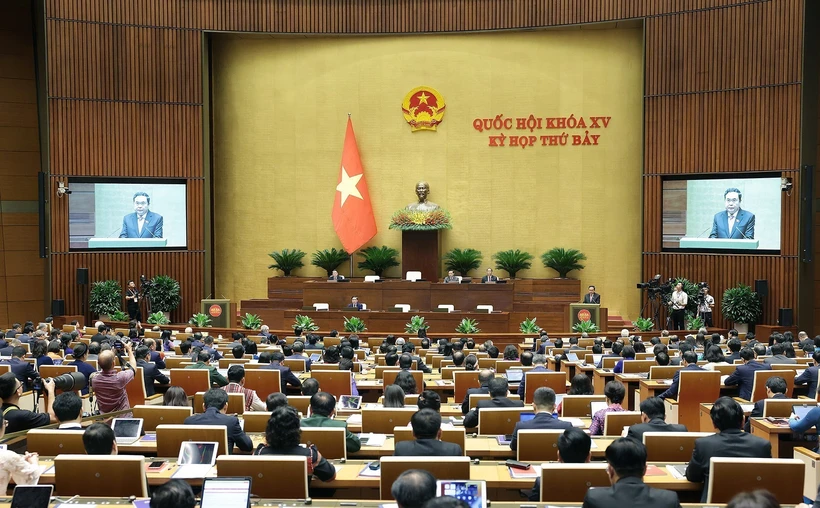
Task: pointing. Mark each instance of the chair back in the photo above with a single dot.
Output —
(782, 408)
(135, 389)
(56, 370)
(579, 406)
(300, 402)
(534, 380)
(609, 362)
(380, 369)
(100, 475)
(413, 275)
(225, 362)
(694, 388)
(295, 364)
(568, 483)
(256, 421)
(663, 371)
(263, 381)
(330, 441)
(191, 380)
(322, 367)
(236, 403)
(537, 445)
(390, 378)
(463, 381)
(726, 370)
(455, 435)
(171, 437)
(384, 420)
(175, 362)
(671, 446)
(287, 476)
(638, 366)
(442, 468)
(487, 362)
(335, 382)
(501, 366)
(615, 421)
(730, 476)
(152, 416)
(447, 372)
(53, 442)
(761, 376)
(498, 420)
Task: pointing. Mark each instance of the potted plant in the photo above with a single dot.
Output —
(165, 294)
(287, 260)
(563, 260)
(528, 326)
(329, 259)
(305, 323)
(251, 321)
(105, 298)
(354, 325)
(586, 326)
(378, 259)
(462, 261)
(644, 324)
(741, 306)
(512, 261)
(119, 316)
(158, 318)
(468, 326)
(416, 323)
(693, 321)
(200, 320)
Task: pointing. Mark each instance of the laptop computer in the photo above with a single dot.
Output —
(526, 417)
(572, 357)
(349, 402)
(226, 492)
(474, 493)
(515, 375)
(196, 458)
(596, 359)
(126, 430)
(801, 411)
(32, 496)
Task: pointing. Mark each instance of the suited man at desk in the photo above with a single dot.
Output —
(653, 419)
(489, 277)
(592, 296)
(499, 391)
(335, 275)
(744, 375)
(426, 425)
(733, 222)
(143, 223)
(543, 402)
(354, 303)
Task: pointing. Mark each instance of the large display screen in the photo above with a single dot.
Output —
(704, 213)
(129, 215)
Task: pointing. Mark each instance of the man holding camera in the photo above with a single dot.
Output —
(16, 419)
(705, 304)
(109, 385)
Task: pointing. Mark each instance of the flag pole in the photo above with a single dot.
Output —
(351, 266)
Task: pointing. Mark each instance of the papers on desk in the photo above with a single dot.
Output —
(653, 470)
(592, 445)
(747, 408)
(355, 419)
(370, 439)
(678, 471)
(443, 382)
(457, 421)
(799, 373)
(532, 472)
(366, 472)
(576, 422)
(149, 438)
(46, 470)
(338, 467)
(190, 471)
(723, 379)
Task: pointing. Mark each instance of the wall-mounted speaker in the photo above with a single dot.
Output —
(58, 307)
(762, 287)
(82, 276)
(785, 317)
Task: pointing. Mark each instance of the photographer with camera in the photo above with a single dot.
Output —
(16, 419)
(109, 385)
(705, 304)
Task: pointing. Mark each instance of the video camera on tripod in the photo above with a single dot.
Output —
(655, 288)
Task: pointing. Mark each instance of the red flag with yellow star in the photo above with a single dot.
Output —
(353, 217)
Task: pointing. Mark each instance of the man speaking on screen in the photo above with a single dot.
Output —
(143, 223)
(734, 222)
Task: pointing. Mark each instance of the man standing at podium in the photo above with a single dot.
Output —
(734, 222)
(489, 277)
(143, 223)
(592, 296)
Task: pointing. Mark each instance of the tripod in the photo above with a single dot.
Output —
(653, 305)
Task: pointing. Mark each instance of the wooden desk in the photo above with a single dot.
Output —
(780, 437)
(391, 322)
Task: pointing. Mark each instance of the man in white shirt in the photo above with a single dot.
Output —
(705, 307)
(678, 305)
(68, 408)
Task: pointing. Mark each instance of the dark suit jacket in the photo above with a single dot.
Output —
(152, 228)
(542, 421)
(728, 443)
(778, 360)
(491, 278)
(732, 357)
(23, 370)
(465, 405)
(656, 425)
(151, 374)
(427, 448)
(471, 419)
(286, 377)
(672, 391)
(757, 410)
(808, 377)
(596, 298)
(744, 378)
(158, 361)
(235, 435)
(632, 492)
(98, 337)
(744, 225)
(358, 306)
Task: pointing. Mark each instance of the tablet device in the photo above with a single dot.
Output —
(126, 430)
(315, 357)
(197, 453)
(572, 357)
(474, 493)
(515, 375)
(802, 411)
(526, 417)
(226, 492)
(594, 407)
(596, 359)
(350, 402)
(31, 496)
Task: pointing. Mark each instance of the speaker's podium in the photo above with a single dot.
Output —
(126, 243)
(688, 242)
(592, 312)
(219, 310)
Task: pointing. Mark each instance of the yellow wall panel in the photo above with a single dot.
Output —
(280, 107)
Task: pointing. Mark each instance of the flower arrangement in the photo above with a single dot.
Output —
(416, 220)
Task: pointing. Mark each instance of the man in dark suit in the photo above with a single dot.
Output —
(9, 347)
(573, 448)
(730, 441)
(617, 347)
(484, 378)
(23, 370)
(733, 222)
(734, 346)
(100, 335)
(653, 418)
(592, 296)
(336, 276)
(427, 431)
(143, 223)
(489, 277)
(543, 404)
(216, 405)
(322, 411)
(499, 391)
(808, 377)
(626, 467)
(690, 359)
(14, 330)
(778, 357)
(775, 389)
(539, 365)
(354, 304)
(286, 377)
(744, 375)
(150, 372)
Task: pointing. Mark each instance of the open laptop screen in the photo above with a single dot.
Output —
(226, 493)
(126, 427)
(193, 452)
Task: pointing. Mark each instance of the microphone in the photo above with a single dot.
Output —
(705, 230)
(109, 235)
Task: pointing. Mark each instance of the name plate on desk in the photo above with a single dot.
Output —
(718, 243)
(126, 243)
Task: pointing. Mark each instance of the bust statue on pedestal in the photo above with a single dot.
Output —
(422, 191)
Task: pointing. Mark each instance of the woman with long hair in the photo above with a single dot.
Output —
(393, 396)
(175, 396)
